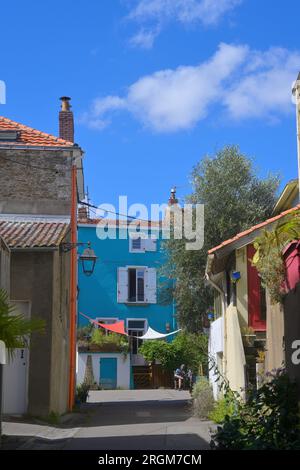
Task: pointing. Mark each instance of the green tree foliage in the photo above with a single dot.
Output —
(160, 351)
(187, 348)
(14, 328)
(234, 199)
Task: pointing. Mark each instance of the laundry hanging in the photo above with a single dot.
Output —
(152, 334)
(117, 327)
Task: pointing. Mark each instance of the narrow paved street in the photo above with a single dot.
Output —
(141, 419)
(118, 419)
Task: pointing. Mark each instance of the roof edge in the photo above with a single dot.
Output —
(239, 239)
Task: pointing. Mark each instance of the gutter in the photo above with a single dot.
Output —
(34, 248)
(36, 147)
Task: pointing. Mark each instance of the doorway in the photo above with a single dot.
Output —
(108, 373)
(15, 373)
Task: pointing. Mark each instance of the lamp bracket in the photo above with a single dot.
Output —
(68, 246)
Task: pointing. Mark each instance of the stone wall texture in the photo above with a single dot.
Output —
(35, 181)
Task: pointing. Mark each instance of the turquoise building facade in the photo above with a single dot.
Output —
(126, 283)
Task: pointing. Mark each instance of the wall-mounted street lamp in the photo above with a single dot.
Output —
(235, 276)
(210, 316)
(88, 258)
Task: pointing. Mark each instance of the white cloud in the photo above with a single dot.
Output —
(265, 88)
(157, 13)
(235, 83)
(170, 100)
(184, 11)
(97, 116)
(144, 38)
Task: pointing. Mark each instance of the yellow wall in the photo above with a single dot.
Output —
(234, 351)
(235, 319)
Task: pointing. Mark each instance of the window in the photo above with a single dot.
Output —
(135, 328)
(141, 245)
(136, 284)
(136, 244)
(136, 324)
(106, 321)
(218, 305)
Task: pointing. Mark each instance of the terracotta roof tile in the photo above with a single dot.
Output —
(21, 234)
(253, 229)
(29, 136)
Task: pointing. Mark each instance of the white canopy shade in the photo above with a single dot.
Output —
(152, 334)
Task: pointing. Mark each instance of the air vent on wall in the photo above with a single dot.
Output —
(8, 135)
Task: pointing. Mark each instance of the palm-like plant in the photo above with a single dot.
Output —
(268, 258)
(14, 327)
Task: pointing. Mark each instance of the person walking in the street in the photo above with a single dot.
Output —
(179, 375)
(190, 379)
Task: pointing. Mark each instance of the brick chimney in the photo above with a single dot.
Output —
(66, 120)
(82, 213)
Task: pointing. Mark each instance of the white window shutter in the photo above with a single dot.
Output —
(150, 285)
(122, 287)
(150, 244)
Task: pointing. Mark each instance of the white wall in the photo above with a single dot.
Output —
(215, 346)
(123, 367)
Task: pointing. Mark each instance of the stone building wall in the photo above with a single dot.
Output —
(40, 183)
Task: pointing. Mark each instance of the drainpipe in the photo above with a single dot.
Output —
(66, 132)
(223, 295)
(73, 286)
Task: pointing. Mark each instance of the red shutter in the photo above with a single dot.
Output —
(254, 294)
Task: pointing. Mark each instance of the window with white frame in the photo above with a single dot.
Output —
(136, 284)
(136, 244)
(141, 245)
(135, 328)
(106, 321)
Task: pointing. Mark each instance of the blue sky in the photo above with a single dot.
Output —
(156, 84)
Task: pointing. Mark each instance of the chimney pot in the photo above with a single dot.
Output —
(65, 103)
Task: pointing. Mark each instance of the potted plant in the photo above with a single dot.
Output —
(248, 336)
(82, 392)
(260, 367)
